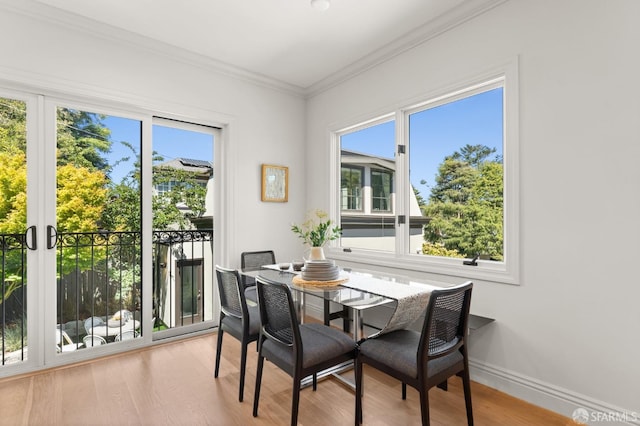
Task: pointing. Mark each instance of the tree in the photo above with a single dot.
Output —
(83, 140)
(185, 190)
(466, 205)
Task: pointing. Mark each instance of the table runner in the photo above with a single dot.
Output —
(411, 301)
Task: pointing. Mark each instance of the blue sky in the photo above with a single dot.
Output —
(168, 142)
(436, 133)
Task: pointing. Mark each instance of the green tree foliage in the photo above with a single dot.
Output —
(82, 140)
(185, 191)
(466, 205)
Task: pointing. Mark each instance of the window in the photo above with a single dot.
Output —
(438, 191)
(381, 190)
(368, 153)
(351, 188)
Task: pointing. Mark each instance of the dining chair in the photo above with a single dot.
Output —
(253, 261)
(236, 318)
(427, 358)
(300, 350)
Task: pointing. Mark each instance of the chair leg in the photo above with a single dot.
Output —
(295, 399)
(404, 390)
(218, 350)
(424, 406)
(444, 386)
(256, 396)
(243, 369)
(315, 382)
(466, 384)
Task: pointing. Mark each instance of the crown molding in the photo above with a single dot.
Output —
(54, 16)
(410, 40)
(48, 14)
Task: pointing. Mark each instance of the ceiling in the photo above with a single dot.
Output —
(285, 41)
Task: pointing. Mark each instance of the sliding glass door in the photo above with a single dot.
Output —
(97, 235)
(15, 238)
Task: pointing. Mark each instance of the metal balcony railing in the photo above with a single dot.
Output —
(99, 277)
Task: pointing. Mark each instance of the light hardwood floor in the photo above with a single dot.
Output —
(173, 384)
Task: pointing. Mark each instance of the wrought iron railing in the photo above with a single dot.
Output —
(99, 276)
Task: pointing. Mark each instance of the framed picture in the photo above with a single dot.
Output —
(275, 183)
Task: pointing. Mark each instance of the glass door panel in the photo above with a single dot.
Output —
(98, 228)
(182, 203)
(13, 231)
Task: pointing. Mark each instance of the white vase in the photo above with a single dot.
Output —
(317, 253)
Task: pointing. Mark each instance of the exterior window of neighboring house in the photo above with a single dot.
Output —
(381, 182)
(165, 187)
(443, 180)
(351, 188)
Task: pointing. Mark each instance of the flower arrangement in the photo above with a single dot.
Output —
(318, 230)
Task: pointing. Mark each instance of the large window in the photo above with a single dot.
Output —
(438, 188)
(367, 161)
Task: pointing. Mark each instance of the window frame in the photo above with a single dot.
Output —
(506, 271)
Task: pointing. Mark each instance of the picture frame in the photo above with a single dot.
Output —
(275, 183)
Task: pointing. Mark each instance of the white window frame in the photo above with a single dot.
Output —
(506, 271)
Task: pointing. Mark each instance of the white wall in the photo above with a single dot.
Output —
(568, 335)
(265, 125)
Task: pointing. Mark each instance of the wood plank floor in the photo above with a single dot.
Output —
(173, 384)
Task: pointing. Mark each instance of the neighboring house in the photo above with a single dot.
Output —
(368, 202)
(180, 277)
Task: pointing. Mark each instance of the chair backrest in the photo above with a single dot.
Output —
(93, 340)
(253, 260)
(277, 312)
(91, 322)
(445, 326)
(232, 298)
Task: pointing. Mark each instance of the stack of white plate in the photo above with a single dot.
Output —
(320, 270)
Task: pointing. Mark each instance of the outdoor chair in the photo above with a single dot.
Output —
(253, 261)
(64, 342)
(93, 340)
(236, 318)
(91, 322)
(427, 358)
(126, 335)
(299, 350)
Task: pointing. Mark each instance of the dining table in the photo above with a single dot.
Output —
(360, 290)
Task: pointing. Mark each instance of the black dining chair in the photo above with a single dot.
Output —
(237, 318)
(253, 261)
(427, 358)
(300, 350)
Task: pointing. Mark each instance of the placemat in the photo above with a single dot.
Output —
(299, 281)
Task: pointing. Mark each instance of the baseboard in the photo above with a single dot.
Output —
(551, 397)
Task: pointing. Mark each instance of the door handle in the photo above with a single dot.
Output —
(51, 233)
(34, 238)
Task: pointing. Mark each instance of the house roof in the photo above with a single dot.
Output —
(355, 157)
(201, 167)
